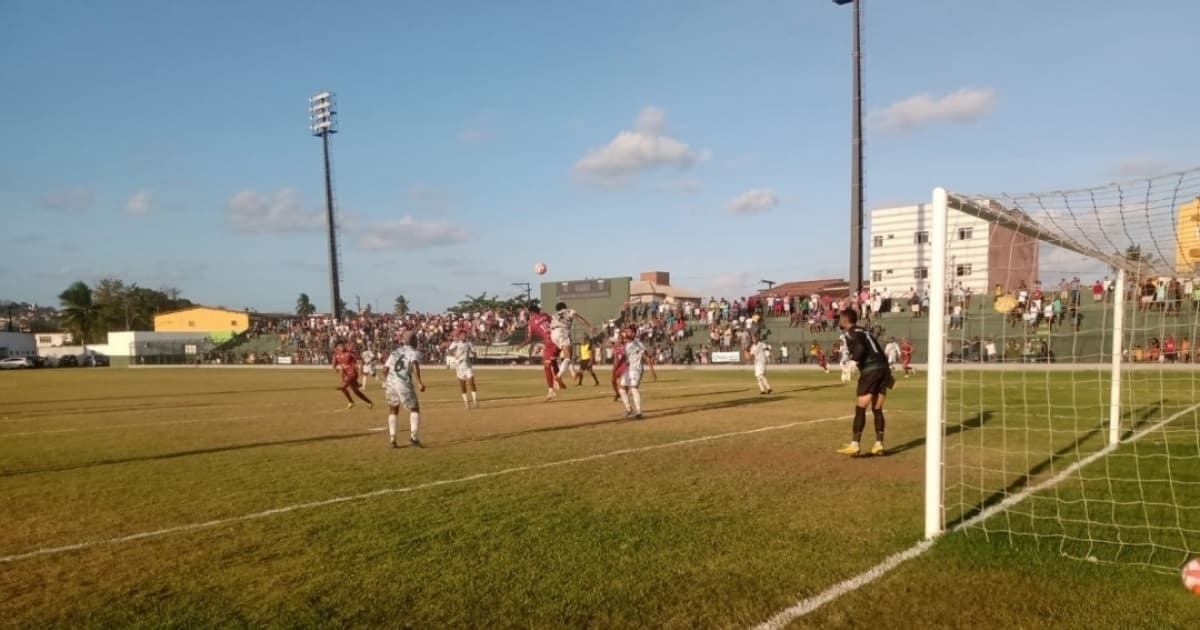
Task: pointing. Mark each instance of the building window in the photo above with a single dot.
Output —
(964, 234)
(889, 272)
(877, 241)
(921, 238)
(921, 273)
(876, 276)
(962, 270)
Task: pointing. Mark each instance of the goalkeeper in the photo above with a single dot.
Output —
(873, 383)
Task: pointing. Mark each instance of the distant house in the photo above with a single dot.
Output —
(202, 319)
(654, 287)
(834, 287)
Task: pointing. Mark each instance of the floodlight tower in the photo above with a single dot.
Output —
(856, 157)
(322, 118)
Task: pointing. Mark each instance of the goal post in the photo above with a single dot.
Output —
(1063, 393)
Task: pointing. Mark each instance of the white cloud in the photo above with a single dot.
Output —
(963, 106)
(645, 148)
(280, 211)
(479, 129)
(411, 233)
(754, 201)
(142, 202)
(731, 285)
(682, 185)
(429, 198)
(69, 199)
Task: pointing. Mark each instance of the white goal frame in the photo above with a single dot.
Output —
(935, 416)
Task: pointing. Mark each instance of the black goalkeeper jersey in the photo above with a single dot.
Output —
(864, 349)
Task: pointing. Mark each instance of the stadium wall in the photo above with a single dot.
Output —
(15, 344)
(202, 319)
(597, 299)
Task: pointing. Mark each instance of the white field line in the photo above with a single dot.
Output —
(805, 606)
(134, 425)
(47, 551)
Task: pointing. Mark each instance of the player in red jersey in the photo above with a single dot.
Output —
(345, 362)
(906, 352)
(539, 328)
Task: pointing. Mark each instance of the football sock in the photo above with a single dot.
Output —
(625, 400)
(879, 425)
(860, 422)
(414, 424)
(637, 399)
(392, 425)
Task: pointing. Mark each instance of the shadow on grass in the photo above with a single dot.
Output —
(179, 454)
(223, 392)
(974, 422)
(715, 406)
(1137, 416)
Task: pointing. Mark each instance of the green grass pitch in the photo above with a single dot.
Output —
(720, 509)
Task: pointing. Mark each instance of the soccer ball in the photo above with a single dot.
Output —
(540, 269)
(1191, 575)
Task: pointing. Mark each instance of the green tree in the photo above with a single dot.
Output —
(304, 306)
(80, 314)
(400, 306)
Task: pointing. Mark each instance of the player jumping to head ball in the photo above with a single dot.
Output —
(560, 334)
(463, 354)
(399, 372)
(539, 328)
(874, 381)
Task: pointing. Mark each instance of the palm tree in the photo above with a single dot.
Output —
(401, 306)
(304, 306)
(80, 315)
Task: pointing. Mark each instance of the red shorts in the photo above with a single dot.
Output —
(349, 378)
(620, 371)
(549, 351)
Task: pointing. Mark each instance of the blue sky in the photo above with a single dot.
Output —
(167, 143)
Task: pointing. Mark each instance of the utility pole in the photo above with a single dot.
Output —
(323, 123)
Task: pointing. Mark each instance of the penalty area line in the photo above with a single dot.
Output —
(781, 619)
(190, 527)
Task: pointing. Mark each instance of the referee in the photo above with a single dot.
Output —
(874, 381)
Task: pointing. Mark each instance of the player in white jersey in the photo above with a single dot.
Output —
(636, 359)
(369, 361)
(560, 334)
(760, 351)
(399, 372)
(462, 353)
(892, 351)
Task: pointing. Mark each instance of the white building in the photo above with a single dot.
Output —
(16, 344)
(979, 254)
(53, 340)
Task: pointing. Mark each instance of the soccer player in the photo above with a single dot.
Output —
(539, 327)
(873, 384)
(818, 355)
(619, 366)
(846, 362)
(892, 350)
(585, 363)
(370, 364)
(463, 354)
(345, 362)
(636, 358)
(906, 352)
(399, 371)
(560, 333)
(760, 351)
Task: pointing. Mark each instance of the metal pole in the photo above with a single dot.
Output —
(335, 290)
(856, 160)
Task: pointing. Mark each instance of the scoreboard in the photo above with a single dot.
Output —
(600, 288)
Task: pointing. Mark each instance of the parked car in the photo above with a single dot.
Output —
(68, 360)
(17, 363)
(95, 359)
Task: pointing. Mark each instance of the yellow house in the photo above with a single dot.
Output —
(202, 319)
(1187, 252)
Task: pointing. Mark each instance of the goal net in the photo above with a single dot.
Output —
(1064, 398)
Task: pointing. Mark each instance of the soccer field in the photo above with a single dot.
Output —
(227, 497)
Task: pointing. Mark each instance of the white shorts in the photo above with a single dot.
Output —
(760, 371)
(631, 378)
(561, 338)
(399, 395)
(464, 372)
(370, 369)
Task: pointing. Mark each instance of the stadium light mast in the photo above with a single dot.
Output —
(322, 119)
(856, 154)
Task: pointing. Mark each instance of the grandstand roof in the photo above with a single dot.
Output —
(640, 288)
(832, 286)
